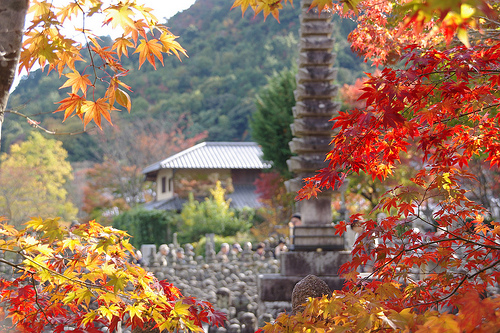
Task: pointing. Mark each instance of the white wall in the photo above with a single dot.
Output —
(169, 175)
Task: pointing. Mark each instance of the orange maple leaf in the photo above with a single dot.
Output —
(244, 5)
(148, 50)
(77, 81)
(138, 28)
(94, 110)
(121, 45)
(70, 104)
(123, 99)
(309, 190)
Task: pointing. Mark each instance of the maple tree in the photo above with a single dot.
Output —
(83, 280)
(437, 93)
(277, 206)
(33, 181)
(80, 279)
(46, 46)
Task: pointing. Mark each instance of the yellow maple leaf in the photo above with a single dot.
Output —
(110, 298)
(88, 317)
(109, 312)
(77, 82)
(38, 8)
(146, 12)
(269, 7)
(68, 11)
(119, 15)
(170, 45)
(93, 111)
(44, 249)
(70, 243)
(148, 50)
(244, 5)
(135, 310)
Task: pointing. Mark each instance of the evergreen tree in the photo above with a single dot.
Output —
(270, 124)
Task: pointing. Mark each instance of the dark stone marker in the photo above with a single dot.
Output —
(310, 286)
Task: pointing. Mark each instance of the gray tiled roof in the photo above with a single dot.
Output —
(214, 155)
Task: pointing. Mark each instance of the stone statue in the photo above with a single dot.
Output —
(249, 323)
(310, 286)
(223, 298)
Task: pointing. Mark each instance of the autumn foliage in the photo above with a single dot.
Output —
(437, 93)
(84, 279)
(46, 45)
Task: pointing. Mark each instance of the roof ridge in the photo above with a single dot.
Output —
(219, 154)
(182, 153)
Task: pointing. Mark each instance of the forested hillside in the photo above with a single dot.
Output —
(230, 58)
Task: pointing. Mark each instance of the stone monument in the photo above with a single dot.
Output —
(315, 249)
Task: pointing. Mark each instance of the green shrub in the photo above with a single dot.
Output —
(210, 216)
(147, 226)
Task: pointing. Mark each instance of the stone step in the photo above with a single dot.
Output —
(309, 126)
(306, 74)
(316, 58)
(316, 108)
(310, 145)
(316, 43)
(324, 28)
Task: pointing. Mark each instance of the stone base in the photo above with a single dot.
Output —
(301, 263)
(278, 288)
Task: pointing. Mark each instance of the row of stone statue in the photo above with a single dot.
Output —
(173, 254)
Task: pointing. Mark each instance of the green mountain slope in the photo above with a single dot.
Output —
(230, 58)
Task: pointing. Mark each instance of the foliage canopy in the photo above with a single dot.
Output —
(438, 93)
(270, 123)
(210, 216)
(33, 179)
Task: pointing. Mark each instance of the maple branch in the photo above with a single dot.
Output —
(88, 285)
(12, 264)
(35, 124)
(36, 299)
(462, 281)
(88, 45)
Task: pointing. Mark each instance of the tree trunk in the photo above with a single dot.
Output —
(12, 16)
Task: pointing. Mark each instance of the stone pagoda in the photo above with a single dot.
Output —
(315, 249)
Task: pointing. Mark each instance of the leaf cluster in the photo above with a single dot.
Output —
(432, 249)
(45, 45)
(83, 279)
